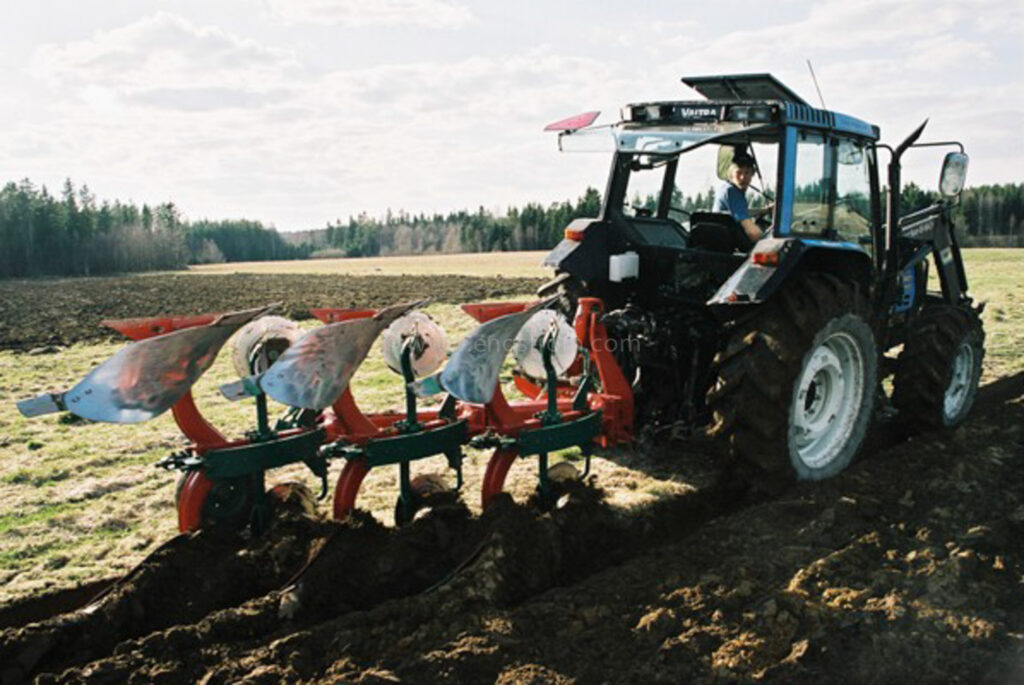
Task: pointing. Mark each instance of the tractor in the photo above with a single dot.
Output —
(780, 346)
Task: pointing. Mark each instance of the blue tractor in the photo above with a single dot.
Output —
(778, 345)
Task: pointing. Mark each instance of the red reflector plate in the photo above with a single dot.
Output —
(573, 123)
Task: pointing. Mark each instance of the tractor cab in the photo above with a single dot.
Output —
(815, 182)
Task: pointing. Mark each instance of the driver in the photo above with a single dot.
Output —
(731, 196)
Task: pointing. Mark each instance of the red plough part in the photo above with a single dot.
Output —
(223, 478)
(512, 426)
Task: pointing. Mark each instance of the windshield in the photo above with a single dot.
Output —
(693, 182)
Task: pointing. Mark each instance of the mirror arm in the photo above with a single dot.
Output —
(942, 143)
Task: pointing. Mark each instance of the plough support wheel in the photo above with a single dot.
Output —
(204, 502)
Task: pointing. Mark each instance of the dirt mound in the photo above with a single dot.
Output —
(61, 312)
(907, 567)
(180, 582)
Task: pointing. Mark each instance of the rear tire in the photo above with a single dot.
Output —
(796, 383)
(938, 371)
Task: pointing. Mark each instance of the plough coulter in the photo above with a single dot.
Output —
(223, 479)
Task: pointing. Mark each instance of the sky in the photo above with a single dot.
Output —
(301, 112)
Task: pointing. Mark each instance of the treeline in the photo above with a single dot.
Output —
(986, 215)
(238, 240)
(531, 227)
(71, 235)
(75, 235)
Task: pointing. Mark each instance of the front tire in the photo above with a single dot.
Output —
(796, 383)
(938, 371)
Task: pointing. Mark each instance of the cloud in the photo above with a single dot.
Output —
(836, 29)
(206, 98)
(273, 140)
(945, 52)
(149, 60)
(441, 14)
(441, 135)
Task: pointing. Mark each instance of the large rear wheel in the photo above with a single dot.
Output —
(938, 371)
(796, 383)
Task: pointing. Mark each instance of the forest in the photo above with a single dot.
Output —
(74, 234)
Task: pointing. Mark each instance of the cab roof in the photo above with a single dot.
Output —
(729, 91)
(738, 87)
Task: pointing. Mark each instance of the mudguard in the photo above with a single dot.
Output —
(774, 260)
(585, 255)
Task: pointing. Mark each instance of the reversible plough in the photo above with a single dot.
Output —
(223, 479)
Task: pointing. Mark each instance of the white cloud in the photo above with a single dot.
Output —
(426, 136)
(429, 13)
(945, 52)
(165, 61)
(837, 28)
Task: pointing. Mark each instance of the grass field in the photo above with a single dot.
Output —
(508, 264)
(81, 501)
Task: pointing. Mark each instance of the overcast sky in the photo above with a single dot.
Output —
(297, 112)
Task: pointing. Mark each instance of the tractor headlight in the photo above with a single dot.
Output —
(751, 113)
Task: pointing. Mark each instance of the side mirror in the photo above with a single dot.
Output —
(954, 174)
(725, 154)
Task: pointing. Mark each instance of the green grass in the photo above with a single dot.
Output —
(81, 500)
(43, 512)
(996, 278)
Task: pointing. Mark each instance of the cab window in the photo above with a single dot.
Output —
(811, 185)
(852, 215)
(643, 191)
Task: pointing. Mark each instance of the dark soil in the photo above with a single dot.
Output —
(65, 311)
(180, 582)
(909, 567)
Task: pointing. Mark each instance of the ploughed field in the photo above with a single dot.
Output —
(907, 567)
(43, 313)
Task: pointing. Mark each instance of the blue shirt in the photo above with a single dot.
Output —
(731, 200)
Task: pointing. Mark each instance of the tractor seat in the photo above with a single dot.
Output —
(718, 233)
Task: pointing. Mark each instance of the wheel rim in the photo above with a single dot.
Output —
(828, 400)
(960, 383)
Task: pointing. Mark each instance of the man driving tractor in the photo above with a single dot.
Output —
(731, 196)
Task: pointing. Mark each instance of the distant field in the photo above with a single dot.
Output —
(508, 264)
